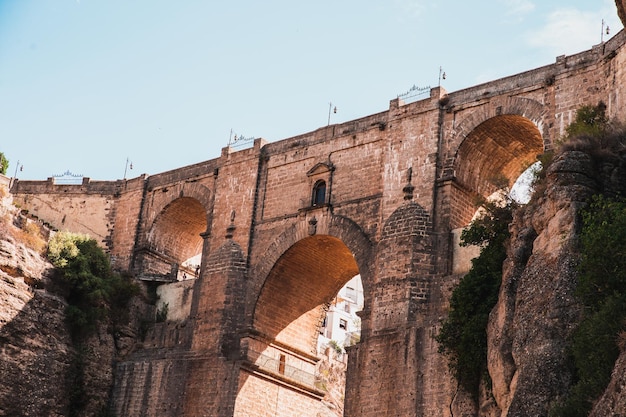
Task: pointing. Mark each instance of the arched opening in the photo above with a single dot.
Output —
(283, 354)
(493, 156)
(174, 244)
(498, 150)
(319, 193)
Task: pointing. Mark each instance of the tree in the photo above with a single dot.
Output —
(94, 291)
(463, 335)
(4, 164)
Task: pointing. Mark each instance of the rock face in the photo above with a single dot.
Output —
(621, 10)
(536, 310)
(42, 371)
(36, 351)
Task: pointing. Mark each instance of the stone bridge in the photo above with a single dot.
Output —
(249, 248)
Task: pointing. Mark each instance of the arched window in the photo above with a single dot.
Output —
(319, 193)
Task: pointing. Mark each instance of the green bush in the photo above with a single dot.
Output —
(4, 164)
(94, 291)
(589, 121)
(463, 335)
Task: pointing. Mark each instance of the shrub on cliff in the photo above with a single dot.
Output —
(601, 282)
(94, 292)
(602, 291)
(463, 335)
(4, 164)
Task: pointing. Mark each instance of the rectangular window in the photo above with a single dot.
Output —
(343, 324)
(351, 294)
(281, 364)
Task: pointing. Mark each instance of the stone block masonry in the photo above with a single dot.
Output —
(397, 186)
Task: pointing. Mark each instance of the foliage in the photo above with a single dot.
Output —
(333, 344)
(603, 244)
(4, 164)
(602, 292)
(94, 291)
(463, 335)
(589, 121)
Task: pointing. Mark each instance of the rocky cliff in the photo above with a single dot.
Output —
(537, 310)
(42, 370)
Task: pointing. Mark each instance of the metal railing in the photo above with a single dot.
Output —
(278, 366)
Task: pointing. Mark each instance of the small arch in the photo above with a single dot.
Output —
(318, 197)
(174, 242)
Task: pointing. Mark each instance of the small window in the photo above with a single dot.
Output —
(319, 193)
(281, 364)
(343, 324)
(346, 307)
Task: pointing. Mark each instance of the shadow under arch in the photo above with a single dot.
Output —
(306, 270)
(340, 227)
(492, 155)
(173, 241)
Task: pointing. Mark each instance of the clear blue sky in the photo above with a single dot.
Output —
(86, 84)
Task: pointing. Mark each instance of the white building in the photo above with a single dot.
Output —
(342, 326)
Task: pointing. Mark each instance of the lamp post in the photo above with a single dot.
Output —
(126, 167)
(18, 166)
(330, 107)
(603, 31)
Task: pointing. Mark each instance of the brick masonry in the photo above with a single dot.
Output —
(398, 185)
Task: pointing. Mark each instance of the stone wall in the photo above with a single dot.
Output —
(397, 184)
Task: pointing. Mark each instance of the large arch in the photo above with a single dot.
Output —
(300, 275)
(492, 154)
(499, 148)
(318, 221)
(303, 281)
(176, 231)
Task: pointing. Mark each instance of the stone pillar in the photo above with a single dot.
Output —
(212, 383)
(385, 375)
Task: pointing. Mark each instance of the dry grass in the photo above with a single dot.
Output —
(30, 236)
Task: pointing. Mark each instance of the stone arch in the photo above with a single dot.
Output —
(300, 274)
(494, 144)
(340, 227)
(525, 107)
(176, 231)
(173, 239)
(304, 279)
(199, 192)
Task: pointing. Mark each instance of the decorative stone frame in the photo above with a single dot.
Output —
(320, 181)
